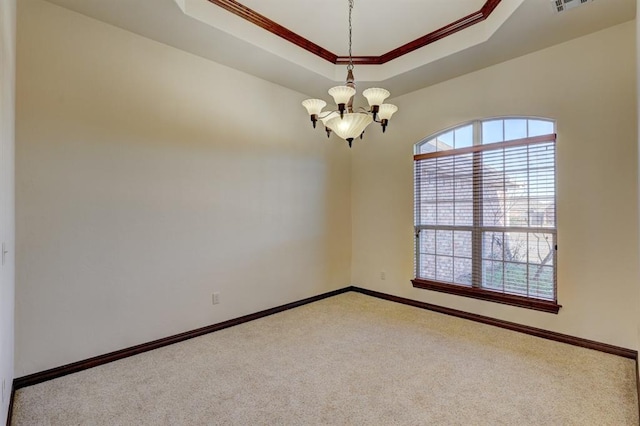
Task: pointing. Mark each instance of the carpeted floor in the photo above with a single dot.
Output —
(350, 359)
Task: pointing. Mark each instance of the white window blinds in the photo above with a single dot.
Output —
(485, 214)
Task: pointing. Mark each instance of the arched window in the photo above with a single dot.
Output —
(485, 212)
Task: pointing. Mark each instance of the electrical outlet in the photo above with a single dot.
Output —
(215, 298)
(383, 275)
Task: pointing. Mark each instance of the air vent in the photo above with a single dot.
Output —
(564, 5)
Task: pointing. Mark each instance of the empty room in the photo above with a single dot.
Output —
(238, 212)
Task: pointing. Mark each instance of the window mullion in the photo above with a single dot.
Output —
(476, 244)
(528, 210)
(417, 212)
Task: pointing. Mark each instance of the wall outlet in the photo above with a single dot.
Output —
(215, 298)
(383, 275)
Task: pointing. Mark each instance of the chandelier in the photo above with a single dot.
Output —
(346, 122)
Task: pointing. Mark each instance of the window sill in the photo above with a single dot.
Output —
(477, 293)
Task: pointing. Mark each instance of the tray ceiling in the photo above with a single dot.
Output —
(204, 28)
(389, 30)
(380, 27)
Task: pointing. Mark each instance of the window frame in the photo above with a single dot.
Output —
(476, 291)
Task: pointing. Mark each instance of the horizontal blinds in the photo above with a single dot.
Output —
(485, 216)
(489, 147)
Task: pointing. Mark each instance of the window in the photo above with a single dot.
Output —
(485, 212)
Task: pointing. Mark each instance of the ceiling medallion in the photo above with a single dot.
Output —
(345, 122)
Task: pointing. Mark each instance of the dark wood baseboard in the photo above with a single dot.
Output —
(638, 385)
(75, 367)
(538, 332)
(10, 412)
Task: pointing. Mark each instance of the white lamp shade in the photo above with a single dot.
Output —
(386, 111)
(314, 106)
(376, 95)
(342, 94)
(330, 116)
(350, 126)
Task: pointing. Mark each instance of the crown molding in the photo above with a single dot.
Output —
(273, 27)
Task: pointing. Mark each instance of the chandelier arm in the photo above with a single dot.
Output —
(328, 113)
(376, 119)
(325, 114)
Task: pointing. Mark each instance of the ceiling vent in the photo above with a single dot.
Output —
(564, 5)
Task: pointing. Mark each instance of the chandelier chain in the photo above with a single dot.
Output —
(350, 66)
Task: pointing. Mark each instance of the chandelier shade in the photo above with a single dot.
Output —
(342, 94)
(376, 96)
(387, 110)
(350, 126)
(314, 106)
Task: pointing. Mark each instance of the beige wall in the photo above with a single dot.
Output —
(7, 224)
(141, 190)
(148, 178)
(589, 86)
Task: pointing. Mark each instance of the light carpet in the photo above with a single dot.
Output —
(350, 360)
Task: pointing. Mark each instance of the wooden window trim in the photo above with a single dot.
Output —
(487, 295)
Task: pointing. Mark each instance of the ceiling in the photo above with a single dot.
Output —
(511, 28)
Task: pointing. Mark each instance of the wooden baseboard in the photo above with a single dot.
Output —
(75, 367)
(13, 393)
(538, 332)
(638, 385)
